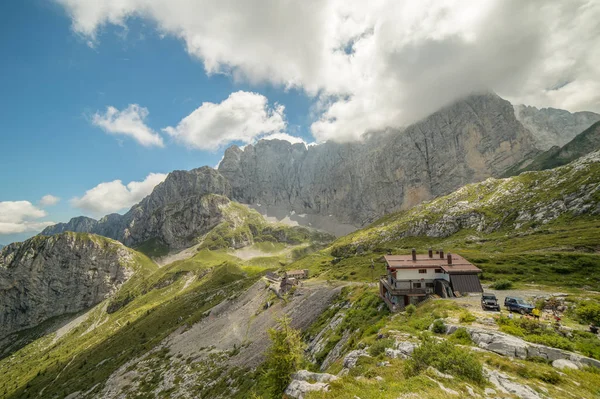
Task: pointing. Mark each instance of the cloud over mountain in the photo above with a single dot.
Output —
(128, 122)
(21, 216)
(109, 197)
(370, 65)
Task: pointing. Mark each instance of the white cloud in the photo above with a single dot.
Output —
(380, 63)
(114, 196)
(20, 217)
(128, 122)
(243, 116)
(49, 200)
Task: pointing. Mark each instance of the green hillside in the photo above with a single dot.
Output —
(540, 227)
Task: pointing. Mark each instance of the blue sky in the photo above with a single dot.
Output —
(99, 100)
(52, 83)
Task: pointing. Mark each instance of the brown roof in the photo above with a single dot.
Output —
(459, 264)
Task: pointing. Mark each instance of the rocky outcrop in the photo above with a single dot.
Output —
(186, 205)
(468, 141)
(509, 345)
(553, 127)
(45, 277)
(305, 381)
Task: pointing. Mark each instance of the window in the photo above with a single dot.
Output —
(439, 271)
(422, 271)
(416, 285)
(429, 285)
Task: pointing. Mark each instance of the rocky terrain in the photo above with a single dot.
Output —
(344, 186)
(584, 143)
(523, 202)
(554, 127)
(45, 277)
(468, 141)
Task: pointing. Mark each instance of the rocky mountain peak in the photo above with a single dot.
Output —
(554, 127)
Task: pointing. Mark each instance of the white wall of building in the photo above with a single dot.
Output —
(413, 274)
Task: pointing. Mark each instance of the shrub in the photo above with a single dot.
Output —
(447, 358)
(512, 330)
(589, 312)
(502, 285)
(379, 346)
(555, 341)
(410, 309)
(439, 327)
(461, 336)
(283, 357)
(466, 317)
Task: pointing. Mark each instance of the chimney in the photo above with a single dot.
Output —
(441, 254)
(414, 255)
(430, 252)
(449, 259)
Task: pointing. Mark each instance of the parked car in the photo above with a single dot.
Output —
(489, 301)
(515, 304)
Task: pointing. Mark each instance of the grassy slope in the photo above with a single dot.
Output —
(563, 251)
(151, 305)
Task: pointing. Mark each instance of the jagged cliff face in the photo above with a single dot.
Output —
(45, 277)
(351, 183)
(186, 205)
(358, 182)
(554, 127)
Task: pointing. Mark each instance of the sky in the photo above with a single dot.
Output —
(100, 100)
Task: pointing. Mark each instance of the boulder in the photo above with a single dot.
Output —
(352, 358)
(305, 381)
(507, 385)
(403, 350)
(564, 364)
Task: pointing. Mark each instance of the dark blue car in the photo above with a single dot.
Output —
(515, 304)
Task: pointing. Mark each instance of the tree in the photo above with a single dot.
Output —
(283, 357)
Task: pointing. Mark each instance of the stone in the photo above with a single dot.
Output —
(305, 375)
(438, 373)
(402, 350)
(299, 389)
(352, 357)
(564, 364)
(507, 385)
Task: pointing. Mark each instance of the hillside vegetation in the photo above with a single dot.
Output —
(540, 227)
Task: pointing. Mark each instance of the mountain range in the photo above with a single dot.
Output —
(339, 187)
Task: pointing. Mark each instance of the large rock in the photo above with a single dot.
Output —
(509, 345)
(305, 381)
(45, 277)
(468, 141)
(564, 364)
(506, 384)
(352, 358)
(402, 350)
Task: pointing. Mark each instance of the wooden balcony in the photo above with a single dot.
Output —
(395, 289)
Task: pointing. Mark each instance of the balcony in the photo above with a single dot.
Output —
(401, 287)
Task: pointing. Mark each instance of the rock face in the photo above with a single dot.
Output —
(508, 345)
(584, 143)
(184, 206)
(350, 184)
(45, 277)
(554, 127)
(305, 381)
(466, 142)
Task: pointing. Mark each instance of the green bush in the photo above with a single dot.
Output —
(589, 312)
(512, 330)
(555, 341)
(461, 336)
(379, 346)
(439, 327)
(502, 285)
(410, 309)
(445, 357)
(466, 317)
